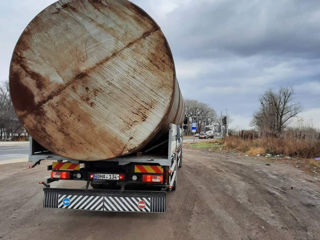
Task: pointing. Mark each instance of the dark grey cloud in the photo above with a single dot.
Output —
(228, 52)
(211, 28)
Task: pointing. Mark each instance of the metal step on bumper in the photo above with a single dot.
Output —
(105, 201)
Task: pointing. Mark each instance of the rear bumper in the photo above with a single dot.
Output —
(106, 201)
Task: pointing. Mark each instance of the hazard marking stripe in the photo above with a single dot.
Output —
(157, 169)
(61, 197)
(110, 204)
(94, 207)
(100, 207)
(148, 169)
(107, 207)
(115, 203)
(105, 203)
(134, 205)
(75, 201)
(73, 166)
(79, 203)
(121, 204)
(86, 202)
(127, 204)
(69, 166)
(65, 166)
(57, 165)
(141, 169)
(92, 202)
(147, 201)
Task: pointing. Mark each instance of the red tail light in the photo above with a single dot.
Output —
(60, 175)
(121, 177)
(152, 178)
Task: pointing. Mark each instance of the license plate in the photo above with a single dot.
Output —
(106, 176)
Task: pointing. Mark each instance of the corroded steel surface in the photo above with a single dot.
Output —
(94, 79)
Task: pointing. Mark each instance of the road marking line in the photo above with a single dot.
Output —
(18, 160)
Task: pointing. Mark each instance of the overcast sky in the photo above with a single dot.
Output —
(227, 52)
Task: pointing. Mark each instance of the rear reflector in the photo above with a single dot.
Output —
(63, 166)
(152, 178)
(148, 169)
(60, 175)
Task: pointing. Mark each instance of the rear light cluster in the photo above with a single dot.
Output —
(65, 175)
(148, 178)
(60, 175)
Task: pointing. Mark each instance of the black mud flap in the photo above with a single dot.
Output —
(106, 201)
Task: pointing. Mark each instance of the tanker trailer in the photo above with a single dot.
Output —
(94, 84)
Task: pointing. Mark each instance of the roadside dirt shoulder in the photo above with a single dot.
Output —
(219, 196)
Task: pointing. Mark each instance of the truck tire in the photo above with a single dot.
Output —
(180, 161)
(175, 182)
(174, 186)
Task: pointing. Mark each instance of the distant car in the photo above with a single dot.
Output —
(197, 135)
(203, 135)
(210, 134)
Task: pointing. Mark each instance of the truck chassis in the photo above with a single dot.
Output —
(133, 183)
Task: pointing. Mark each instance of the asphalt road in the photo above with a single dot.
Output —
(219, 196)
(13, 151)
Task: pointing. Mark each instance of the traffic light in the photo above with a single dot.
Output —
(185, 120)
(224, 120)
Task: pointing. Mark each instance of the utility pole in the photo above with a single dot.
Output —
(225, 126)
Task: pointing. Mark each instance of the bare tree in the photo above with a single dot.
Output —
(276, 110)
(200, 113)
(10, 126)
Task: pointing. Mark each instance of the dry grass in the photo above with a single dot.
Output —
(256, 151)
(211, 145)
(289, 147)
(302, 151)
(20, 139)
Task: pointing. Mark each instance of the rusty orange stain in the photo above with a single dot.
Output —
(94, 79)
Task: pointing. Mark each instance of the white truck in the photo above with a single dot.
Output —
(94, 84)
(133, 183)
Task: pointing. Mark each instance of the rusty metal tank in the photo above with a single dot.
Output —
(94, 79)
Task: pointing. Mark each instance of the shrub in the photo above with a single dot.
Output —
(293, 147)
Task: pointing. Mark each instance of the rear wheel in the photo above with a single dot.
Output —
(174, 186)
(180, 161)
